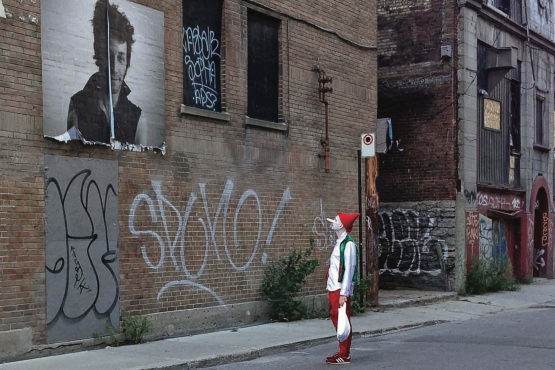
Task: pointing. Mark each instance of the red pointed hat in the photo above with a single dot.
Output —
(348, 219)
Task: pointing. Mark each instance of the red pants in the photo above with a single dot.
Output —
(345, 346)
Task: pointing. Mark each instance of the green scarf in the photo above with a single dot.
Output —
(342, 258)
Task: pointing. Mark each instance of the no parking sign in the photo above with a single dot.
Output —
(368, 145)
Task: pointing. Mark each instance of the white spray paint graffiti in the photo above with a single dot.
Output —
(200, 49)
(325, 235)
(404, 240)
(500, 202)
(171, 242)
(539, 261)
(486, 237)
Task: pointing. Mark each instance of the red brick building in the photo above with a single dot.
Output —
(470, 98)
(213, 167)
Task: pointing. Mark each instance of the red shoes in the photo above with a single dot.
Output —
(338, 360)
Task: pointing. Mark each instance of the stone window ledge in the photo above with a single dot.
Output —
(279, 126)
(541, 148)
(220, 116)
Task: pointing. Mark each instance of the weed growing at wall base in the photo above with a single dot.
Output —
(491, 276)
(134, 330)
(361, 289)
(282, 282)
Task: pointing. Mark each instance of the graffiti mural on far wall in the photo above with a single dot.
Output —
(493, 243)
(540, 254)
(103, 72)
(82, 272)
(407, 246)
(171, 245)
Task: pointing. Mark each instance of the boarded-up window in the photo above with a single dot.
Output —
(263, 70)
(539, 120)
(492, 114)
(202, 32)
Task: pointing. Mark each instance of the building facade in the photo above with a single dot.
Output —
(471, 160)
(168, 200)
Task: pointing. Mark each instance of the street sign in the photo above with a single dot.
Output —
(368, 145)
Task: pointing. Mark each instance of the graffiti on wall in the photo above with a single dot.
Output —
(500, 202)
(201, 50)
(202, 31)
(171, 244)
(407, 246)
(496, 201)
(325, 237)
(493, 242)
(472, 235)
(499, 247)
(530, 258)
(82, 272)
(540, 254)
(486, 237)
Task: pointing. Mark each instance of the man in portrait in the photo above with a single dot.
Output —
(105, 95)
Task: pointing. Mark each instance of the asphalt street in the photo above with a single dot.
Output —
(519, 340)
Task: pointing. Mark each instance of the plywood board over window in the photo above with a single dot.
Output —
(492, 114)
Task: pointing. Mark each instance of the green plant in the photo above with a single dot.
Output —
(135, 328)
(526, 281)
(360, 289)
(111, 337)
(491, 276)
(114, 340)
(283, 280)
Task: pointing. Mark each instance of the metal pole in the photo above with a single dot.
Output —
(360, 222)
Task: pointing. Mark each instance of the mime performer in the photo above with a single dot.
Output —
(342, 274)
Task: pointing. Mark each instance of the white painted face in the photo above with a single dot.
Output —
(335, 223)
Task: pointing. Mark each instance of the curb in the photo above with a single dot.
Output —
(252, 355)
(419, 302)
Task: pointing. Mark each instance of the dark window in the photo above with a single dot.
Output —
(539, 121)
(202, 31)
(504, 6)
(513, 8)
(263, 69)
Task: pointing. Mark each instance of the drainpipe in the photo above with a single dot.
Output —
(323, 79)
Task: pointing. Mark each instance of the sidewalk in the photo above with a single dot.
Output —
(257, 341)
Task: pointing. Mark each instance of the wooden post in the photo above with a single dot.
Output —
(372, 203)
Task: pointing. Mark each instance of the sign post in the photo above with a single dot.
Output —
(368, 149)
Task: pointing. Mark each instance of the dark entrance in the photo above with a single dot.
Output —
(541, 234)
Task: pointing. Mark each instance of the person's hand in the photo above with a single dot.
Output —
(342, 300)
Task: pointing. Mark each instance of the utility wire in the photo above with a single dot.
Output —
(311, 24)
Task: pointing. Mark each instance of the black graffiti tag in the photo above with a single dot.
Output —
(82, 210)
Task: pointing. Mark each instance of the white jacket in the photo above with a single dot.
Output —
(350, 256)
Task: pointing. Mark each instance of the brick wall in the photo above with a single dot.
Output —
(416, 92)
(260, 169)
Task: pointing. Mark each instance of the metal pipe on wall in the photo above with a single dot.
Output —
(322, 91)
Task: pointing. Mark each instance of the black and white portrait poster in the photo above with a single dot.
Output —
(103, 72)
